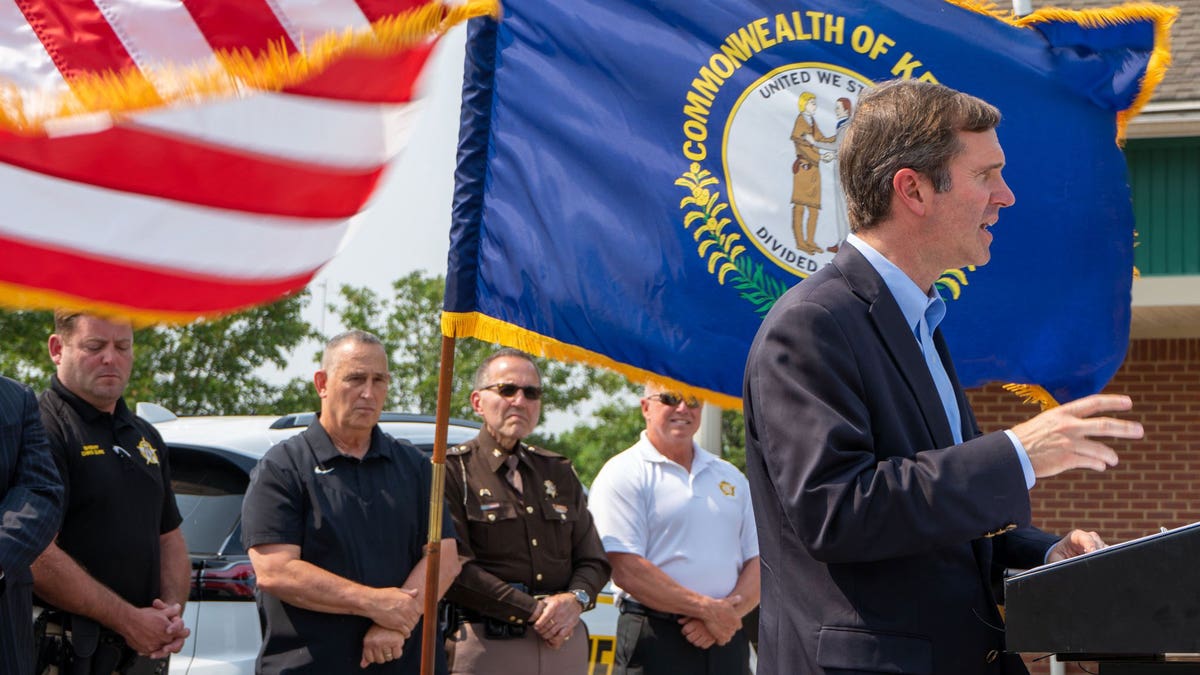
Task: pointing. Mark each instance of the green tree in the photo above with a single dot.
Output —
(208, 367)
(616, 425)
(23, 351)
(213, 367)
(409, 325)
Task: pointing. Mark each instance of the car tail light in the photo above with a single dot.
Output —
(224, 581)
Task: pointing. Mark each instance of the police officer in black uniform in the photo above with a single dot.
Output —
(535, 560)
(114, 582)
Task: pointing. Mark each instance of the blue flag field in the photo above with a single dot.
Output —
(639, 181)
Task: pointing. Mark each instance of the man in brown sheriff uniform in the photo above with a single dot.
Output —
(534, 561)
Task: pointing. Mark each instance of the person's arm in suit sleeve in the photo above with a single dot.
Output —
(31, 506)
(809, 402)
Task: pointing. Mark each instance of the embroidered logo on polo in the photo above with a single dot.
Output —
(148, 452)
(727, 488)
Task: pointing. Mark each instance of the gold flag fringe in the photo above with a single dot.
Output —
(476, 325)
(236, 71)
(15, 297)
(1163, 17)
(1032, 393)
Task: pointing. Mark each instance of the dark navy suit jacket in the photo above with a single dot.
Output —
(878, 536)
(30, 512)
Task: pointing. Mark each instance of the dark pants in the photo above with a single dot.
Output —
(649, 645)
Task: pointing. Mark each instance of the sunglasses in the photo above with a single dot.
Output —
(672, 399)
(509, 390)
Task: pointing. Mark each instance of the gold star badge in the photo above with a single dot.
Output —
(727, 488)
(148, 452)
(551, 489)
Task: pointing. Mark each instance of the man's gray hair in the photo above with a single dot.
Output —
(477, 382)
(359, 336)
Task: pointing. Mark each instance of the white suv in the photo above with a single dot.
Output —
(211, 459)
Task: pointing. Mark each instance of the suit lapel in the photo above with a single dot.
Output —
(897, 336)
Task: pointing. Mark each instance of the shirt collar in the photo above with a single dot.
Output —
(701, 458)
(914, 302)
(325, 451)
(86, 411)
(492, 454)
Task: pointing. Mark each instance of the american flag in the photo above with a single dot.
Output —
(170, 159)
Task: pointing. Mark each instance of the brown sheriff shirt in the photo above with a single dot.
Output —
(546, 540)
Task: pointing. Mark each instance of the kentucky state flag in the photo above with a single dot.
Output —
(639, 180)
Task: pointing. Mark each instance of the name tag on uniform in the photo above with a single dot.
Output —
(486, 508)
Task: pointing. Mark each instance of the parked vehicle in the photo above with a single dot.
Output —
(211, 459)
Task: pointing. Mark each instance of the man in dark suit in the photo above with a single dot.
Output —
(30, 510)
(882, 510)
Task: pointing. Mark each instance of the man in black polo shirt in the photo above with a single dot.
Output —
(120, 560)
(335, 520)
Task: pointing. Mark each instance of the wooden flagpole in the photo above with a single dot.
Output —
(433, 547)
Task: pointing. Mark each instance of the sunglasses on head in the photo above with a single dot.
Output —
(509, 390)
(672, 399)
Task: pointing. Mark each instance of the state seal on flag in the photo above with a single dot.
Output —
(780, 159)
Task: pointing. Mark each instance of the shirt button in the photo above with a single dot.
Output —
(991, 656)
(533, 541)
(528, 509)
(512, 619)
(491, 516)
(538, 577)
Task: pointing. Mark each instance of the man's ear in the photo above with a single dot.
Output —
(475, 405)
(55, 346)
(912, 190)
(320, 380)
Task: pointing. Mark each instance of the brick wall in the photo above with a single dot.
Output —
(1157, 482)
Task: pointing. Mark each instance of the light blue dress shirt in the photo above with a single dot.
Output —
(923, 312)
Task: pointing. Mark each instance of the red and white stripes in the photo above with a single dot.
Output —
(183, 209)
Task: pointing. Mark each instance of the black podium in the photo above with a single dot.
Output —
(1133, 607)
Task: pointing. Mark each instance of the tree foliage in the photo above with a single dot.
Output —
(409, 325)
(24, 355)
(208, 367)
(219, 367)
(615, 426)
(214, 367)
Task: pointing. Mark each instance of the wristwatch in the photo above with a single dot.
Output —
(583, 597)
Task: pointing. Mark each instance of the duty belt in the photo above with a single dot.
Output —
(495, 629)
(633, 607)
(69, 644)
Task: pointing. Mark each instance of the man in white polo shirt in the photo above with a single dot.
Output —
(678, 528)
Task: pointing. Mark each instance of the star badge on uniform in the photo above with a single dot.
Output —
(727, 488)
(551, 489)
(148, 452)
